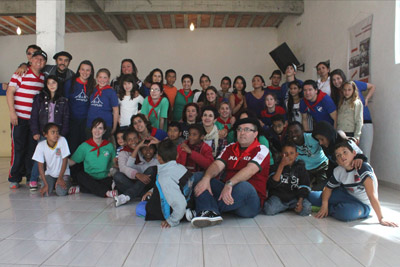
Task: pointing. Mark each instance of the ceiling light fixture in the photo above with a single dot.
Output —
(19, 31)
(191, 27)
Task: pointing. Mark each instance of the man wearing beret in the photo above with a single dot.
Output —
(60, 70)
(242, 190)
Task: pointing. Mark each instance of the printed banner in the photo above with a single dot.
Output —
(359, 50)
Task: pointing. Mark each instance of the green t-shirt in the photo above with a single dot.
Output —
(231, 136)
(97, 167)
(161, 110)
(180, 103)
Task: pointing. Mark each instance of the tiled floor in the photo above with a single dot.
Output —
(85, 230)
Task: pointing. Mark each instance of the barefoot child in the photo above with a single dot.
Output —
(54, 152)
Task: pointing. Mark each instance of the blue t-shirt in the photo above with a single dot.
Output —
(362, 86)
(311, 152)
(160, 134)
(321, 111)
(78, 101)
(102, 106)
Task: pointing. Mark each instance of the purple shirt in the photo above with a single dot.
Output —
(52, 107)
(254, 104)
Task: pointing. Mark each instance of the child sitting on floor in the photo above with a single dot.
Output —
(171, 190)
(130, 180)
(193, 153)
(289, 186)
(54, 152)
(350, 193)
(174, 132)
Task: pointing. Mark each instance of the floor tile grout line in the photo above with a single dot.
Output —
(133, 244)
(269, 243)
(72, 236)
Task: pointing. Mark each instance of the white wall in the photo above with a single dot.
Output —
(322, 32)
(216, 52)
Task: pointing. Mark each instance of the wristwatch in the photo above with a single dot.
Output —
(229, 183)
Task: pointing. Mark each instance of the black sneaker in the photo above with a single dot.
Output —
(207, 218)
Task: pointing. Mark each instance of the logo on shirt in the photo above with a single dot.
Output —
(81, 97)
(235, 158)
(320, 109)
(304, 150)
(290, 179)
(357, 178)
(58, 152)
(106, 153)
(97, 102)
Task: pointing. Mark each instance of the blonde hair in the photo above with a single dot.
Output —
(353, 97)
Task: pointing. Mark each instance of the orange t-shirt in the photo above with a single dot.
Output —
(170, 92)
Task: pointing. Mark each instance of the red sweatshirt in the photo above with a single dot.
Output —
(200, 158)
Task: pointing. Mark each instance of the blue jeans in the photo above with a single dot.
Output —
(51, 182)
(246, 201)
(35, 167)
(274, 205)
(341, 205)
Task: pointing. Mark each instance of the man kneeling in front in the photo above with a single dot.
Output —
(241, 188)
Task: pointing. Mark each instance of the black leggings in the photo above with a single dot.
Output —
(88, 184)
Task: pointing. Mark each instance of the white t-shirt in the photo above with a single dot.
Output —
(325, 86)
(353, 181)
(128, 108)
(52, 156)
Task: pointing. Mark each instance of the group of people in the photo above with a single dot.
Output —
(194, 153)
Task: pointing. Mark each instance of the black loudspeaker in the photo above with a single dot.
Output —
(283, 56)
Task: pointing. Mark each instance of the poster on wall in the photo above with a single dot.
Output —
(359, 50)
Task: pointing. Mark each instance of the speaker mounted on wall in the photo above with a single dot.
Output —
(283, 56)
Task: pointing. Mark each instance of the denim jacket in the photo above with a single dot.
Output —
(40, 114)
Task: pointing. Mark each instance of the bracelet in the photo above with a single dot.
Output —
(229, 183)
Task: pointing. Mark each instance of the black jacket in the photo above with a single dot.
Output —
(294, 182)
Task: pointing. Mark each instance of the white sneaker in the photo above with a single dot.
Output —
(74, 190)
(190, 214)
(111, 193)
(121, 200)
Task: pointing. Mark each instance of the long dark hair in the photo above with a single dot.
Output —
(235, 91)
(217, 98)
(134, 68)
(291, 101)
(335, 92)
(46, 91)
(160, 71)
(184, 118)
(91, 82)
(261, 78)
(144, 119)
(130, 79)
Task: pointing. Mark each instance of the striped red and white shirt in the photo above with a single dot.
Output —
(27, 86)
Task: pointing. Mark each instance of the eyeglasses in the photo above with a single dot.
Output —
(246, 130)
(154, 90)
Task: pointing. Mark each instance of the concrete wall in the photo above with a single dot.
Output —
(321, 33)
(216, 52)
